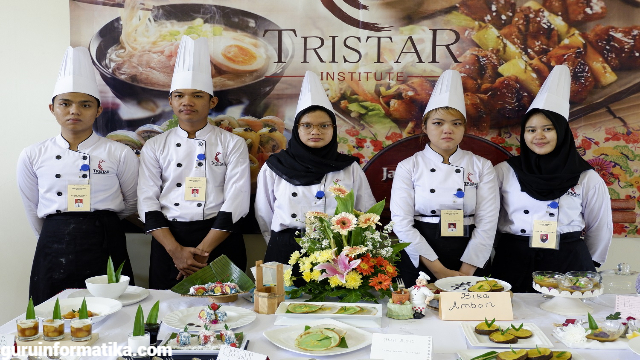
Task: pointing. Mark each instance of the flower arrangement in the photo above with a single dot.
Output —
(345, 255)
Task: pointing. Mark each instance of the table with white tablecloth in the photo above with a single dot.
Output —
(448, 336)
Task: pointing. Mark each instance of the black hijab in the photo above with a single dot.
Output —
(301, 165)
(548, 177)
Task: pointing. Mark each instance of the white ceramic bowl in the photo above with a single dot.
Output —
(98, 286)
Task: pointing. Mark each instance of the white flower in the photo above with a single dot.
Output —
(338, 190)
(343, 223)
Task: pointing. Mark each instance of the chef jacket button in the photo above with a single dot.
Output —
(458, 189)
(433, 170)
(58, 157)
(178, 144)
(526, 211)
(294, 194)
(59, 193)
(176, 204)
(458, 171)
(433, 212)
(523, 231)
(84, 176)
(58, 176)
(58, 211)
(179, 165)
(84, 157)
(199, 164)
(200, 143)
(174, 219)
(199, 204)
(294, 216)
(179, 185)
(552, 214)
(432, 190)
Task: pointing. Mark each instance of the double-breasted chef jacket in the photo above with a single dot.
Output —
(168, 159)
(586, 206)
(279, 205)
(75, 245)
(47, 168)
(423, 185)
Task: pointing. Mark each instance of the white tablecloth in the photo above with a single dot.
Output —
(447, 335)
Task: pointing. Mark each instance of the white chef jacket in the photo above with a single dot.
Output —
(585, 206)
(46, 168)
(280, 205)
(423, 185)
(168, 159)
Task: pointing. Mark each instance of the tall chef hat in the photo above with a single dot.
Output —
(76, 74)
(555, 92)
(312, 94)
(193, 66)
(447, 93)
(423, 275)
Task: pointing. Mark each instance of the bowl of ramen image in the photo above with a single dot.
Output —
(136, 52)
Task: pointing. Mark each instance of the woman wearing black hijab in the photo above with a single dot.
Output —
(550, 186)
(296, 180)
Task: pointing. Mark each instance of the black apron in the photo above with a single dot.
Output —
(281, 245)
(74, 246)
(162, 270)
(448, 248)
(514, 260)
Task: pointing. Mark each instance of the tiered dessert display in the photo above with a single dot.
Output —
(567, 290)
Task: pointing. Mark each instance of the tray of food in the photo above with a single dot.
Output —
(355, 314)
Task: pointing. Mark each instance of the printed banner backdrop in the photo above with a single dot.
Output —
(379, 60)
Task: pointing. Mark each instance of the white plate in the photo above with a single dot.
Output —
(538, 338)
(462, 283)
(620, 343)
(470, 354)
(286, 337)
(198, 352)
(132, 295)
(634, 345)
(371, 316)
(102, 306)
(236, 317)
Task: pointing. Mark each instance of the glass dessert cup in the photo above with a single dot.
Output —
(549, 279)
(80, 329)
(580, 281)
(53, 330)
(28, 329)
(136, 342)
(609, 330)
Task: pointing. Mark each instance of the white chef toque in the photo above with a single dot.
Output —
(193, 66)
(76, 74)
(423, 275)
(448, 92)
(555, 92)
(312, 93)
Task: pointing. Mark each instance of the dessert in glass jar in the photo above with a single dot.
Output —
(580, 281)
(53, 329)
(81, 329)
(28, 329)
(549, 279)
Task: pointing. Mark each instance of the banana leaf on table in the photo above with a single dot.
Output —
(220, 269)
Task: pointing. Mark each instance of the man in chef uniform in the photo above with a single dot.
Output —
(194, 182)
(76, 187)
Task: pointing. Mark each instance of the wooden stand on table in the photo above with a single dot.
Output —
(267, 298)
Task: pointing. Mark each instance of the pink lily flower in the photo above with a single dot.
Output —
(339, 267)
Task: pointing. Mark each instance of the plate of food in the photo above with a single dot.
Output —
(539, 353)
(505, 334)
(320, 338)
(472, 284)
(98, 308)
(194, 318)
(205, 342)
(608, 336)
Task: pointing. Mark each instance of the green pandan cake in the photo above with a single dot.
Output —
(400, 311)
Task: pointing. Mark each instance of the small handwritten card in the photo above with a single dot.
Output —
(230, 353)
(475, 306)
(405, 347)
(6, 340)
(628, 306)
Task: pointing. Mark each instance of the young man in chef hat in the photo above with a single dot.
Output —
(76, 167)
(195, 158)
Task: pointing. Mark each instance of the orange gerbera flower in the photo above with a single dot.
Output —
(382, 263)
(391, 270)
(365, 268)
(381, 281)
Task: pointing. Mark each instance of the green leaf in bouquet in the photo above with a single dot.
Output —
(219, 269)
(399, 246)
(377, 208)
(357, 238)
(345, 204)
(31, 312)
(57, 314)
(138, 322)
(82, 312)
(152, 317)
(352, 297)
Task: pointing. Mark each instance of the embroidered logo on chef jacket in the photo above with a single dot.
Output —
(216, 160)
(100, 169)
(470, 181)
(572, 192)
